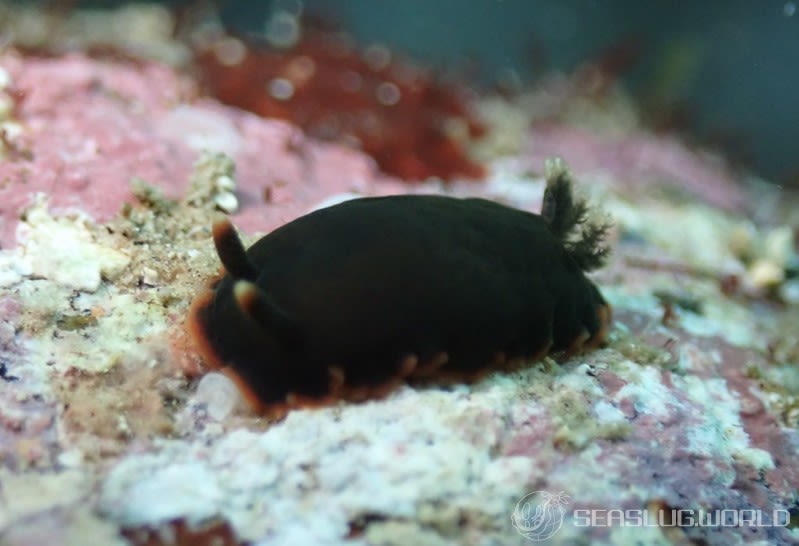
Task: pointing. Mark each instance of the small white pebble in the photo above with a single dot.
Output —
(225, 183)
(226, 202)
(219, 394)
(764, 273)
(122, 425)
(5, 78)
(12, 129)
(150, 277)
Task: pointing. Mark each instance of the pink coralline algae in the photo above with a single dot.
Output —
(638, 159)
(106, 123)
(89, 127)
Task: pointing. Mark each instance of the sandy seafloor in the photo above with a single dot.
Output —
(110, 177)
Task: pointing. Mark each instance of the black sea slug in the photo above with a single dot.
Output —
(351, 300)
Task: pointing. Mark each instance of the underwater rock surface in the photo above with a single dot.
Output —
(106, 438)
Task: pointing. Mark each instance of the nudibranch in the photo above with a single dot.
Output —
(348, 301)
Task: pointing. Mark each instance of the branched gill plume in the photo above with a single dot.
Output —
(572, 220)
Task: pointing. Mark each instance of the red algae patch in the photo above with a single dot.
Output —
(412, 124)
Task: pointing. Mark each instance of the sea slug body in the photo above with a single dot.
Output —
(351, 300)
